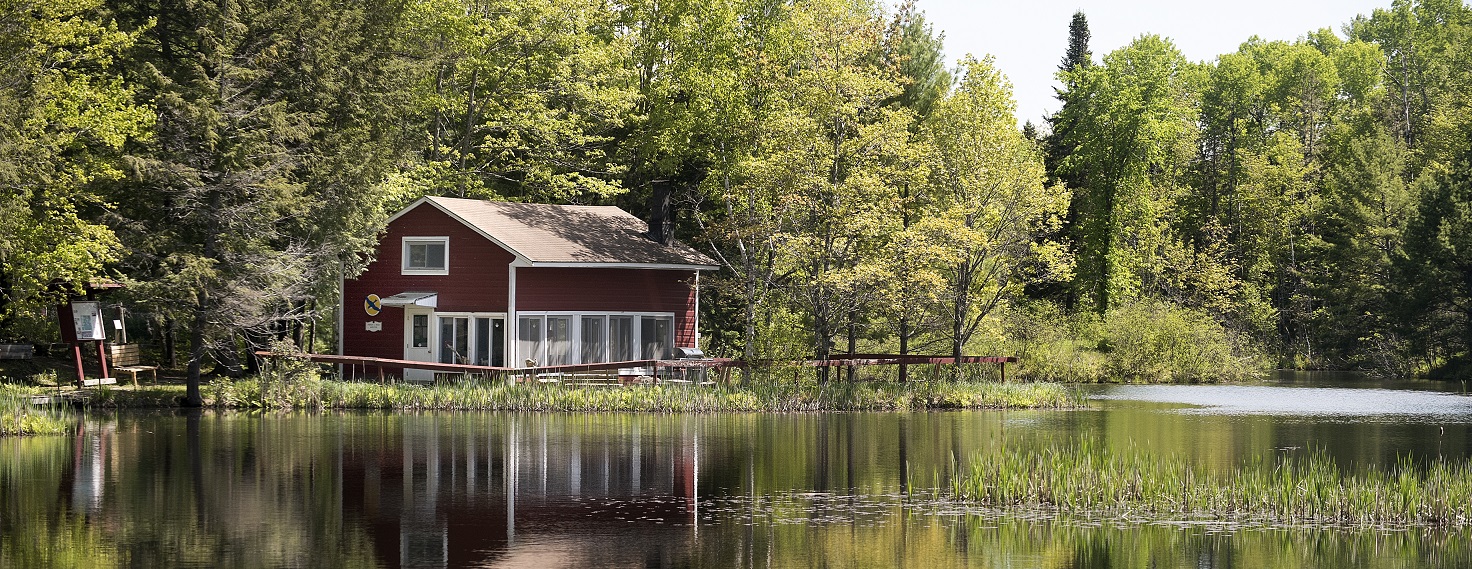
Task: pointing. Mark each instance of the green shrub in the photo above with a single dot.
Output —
(1142, 342)
(1158, 342)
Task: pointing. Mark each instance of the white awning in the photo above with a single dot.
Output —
(430, 299)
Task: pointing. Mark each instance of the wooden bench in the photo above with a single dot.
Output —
(16, 351)
(127, 358)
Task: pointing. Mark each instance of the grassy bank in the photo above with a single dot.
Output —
(1091, 483)
(314, 394)
(19, 417)
(256, 393)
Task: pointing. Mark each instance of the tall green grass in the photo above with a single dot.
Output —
(314, 393)
(1090, 482)
(18, 416)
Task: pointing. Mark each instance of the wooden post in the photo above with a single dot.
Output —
(102, 358)
(1003, 365)
(77, 355)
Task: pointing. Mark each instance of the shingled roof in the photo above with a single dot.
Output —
(568, 235)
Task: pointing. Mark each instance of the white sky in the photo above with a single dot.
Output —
(1028, 37)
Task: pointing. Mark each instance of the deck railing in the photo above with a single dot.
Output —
(677, 370)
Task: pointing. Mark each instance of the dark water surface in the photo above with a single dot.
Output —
(801, 490)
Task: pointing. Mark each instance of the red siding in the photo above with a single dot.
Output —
(611, 290)
(476, 283)
(478, 279)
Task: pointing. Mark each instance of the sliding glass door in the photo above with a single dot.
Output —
(571, 338)
(472, 340)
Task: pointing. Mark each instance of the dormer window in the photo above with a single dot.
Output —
(426, 256)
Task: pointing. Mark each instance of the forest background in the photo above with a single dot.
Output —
(1302, 204)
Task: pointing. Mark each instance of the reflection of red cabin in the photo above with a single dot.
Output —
(505, 284)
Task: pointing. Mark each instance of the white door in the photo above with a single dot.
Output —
(418, 341)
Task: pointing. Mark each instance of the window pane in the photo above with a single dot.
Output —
(498, 342)
(454, 340)
(559, 340)
(421, 330)
(529, 339)
(621, 338)
(447, 336)
(594, 348)
(482, 341)
(434, 256)
(416, 256)
(656, 334)
(462, 340)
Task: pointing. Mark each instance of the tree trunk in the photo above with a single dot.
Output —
(311, 327)
(171, 353)
(296, 327)
(824, 347)
(853, 344)
(196, 353)
(661, 226)
(904, 348)
(469, 128)
(958, 316)
(6, 316)
(748, 350)
(252, 363)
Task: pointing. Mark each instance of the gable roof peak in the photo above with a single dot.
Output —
(568, 235)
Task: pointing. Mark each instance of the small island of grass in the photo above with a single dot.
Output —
(1139, 486)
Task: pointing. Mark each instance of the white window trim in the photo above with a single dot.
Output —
(576, 332)
(404, 255)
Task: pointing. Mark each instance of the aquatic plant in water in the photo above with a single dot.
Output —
(312, 393)
(1090, 482)
(19, 416)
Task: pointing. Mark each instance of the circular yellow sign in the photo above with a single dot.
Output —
(371, 306)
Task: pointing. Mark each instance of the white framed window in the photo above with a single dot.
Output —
(426, 256)
(593, 339)
(529, 340)
(560, 338)
(474, 338)
(657, 334)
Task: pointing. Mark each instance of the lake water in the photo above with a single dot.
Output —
(232, 489)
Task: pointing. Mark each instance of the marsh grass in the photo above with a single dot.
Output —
(314, 393)
(19, 417)
(1089, 482)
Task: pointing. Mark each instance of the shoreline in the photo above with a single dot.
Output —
(328, 394)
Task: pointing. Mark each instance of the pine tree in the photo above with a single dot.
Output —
(1061, 140)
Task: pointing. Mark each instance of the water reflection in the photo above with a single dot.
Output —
(520, 490)
(1344, 404)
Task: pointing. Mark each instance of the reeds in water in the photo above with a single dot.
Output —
(312, 393)
(1089, 482)
(18, 416)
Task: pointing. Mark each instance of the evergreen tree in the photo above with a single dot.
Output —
(274, 122)
(916, 53)
(1437, 271)
(1061, 140)
(1078, 54)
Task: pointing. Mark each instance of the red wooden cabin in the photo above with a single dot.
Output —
(511, 284)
